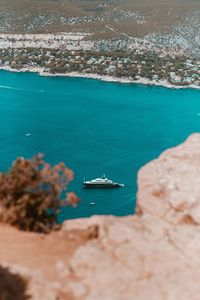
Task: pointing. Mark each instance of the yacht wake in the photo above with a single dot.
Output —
(19, 89)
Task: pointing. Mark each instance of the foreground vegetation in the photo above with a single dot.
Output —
(30, 194)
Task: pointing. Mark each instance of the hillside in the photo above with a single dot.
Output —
(157, 40)
(104, 18)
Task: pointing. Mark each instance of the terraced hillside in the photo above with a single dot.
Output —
(134, 39)
(103, 18)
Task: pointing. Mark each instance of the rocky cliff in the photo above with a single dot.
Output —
(152, 255)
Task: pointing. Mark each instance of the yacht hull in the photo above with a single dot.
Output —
(102, 186)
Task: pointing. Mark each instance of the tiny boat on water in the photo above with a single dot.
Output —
(102, 182)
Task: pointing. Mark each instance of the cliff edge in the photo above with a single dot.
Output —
(153, 254)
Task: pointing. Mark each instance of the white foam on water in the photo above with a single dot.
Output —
(18, 89)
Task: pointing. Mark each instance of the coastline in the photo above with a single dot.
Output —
(143, 81)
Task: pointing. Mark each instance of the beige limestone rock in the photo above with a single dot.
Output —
(169, 187)
(41, 259)
(37, 286)
(152, 255)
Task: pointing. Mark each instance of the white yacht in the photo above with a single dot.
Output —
(102, 182)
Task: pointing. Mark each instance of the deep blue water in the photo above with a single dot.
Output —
(95, 128)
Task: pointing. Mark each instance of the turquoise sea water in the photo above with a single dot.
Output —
(94, 127)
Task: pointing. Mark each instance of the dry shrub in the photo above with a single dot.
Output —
(30, 194)
(12, 286)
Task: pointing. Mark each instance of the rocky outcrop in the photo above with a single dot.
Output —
(155, 253)
(169, 187)
(42, 260)
(152, 255)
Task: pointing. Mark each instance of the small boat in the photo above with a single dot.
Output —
(102, 182)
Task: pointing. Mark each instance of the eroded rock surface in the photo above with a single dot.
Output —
(152, 255)
(41, 259)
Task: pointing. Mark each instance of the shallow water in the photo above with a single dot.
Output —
(94, 127)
